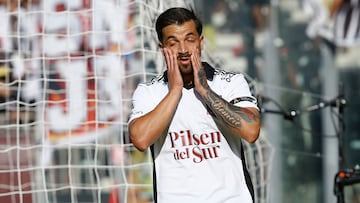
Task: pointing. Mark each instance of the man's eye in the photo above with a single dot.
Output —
(172, 43)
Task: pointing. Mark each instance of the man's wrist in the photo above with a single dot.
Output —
(202, 90)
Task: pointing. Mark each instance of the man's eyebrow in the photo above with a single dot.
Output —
(190, 34)
(170, 37)
(187, 35)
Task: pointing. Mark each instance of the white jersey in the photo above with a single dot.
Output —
(197, 160)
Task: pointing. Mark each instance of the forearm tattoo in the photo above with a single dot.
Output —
(223, 110)
(228, 113)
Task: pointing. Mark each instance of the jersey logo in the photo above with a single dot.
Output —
(224, 75)
(196, 147)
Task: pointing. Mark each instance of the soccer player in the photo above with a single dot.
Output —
(194, 119)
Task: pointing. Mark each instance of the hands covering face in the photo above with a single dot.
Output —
(174, 74)
(200, 80)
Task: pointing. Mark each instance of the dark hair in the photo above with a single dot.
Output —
(176, 16)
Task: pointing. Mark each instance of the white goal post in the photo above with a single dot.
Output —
(68, 69)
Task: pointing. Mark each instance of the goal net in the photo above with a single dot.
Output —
(68, 69)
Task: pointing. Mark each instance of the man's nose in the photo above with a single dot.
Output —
(182, 48)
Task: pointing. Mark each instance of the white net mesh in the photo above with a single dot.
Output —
(68, 69)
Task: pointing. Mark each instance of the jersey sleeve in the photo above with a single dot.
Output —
(141, 102)
(238, 92)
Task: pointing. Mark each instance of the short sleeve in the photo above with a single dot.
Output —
(238, 92)
(141, 102)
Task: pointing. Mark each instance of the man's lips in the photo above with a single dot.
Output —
(183, 56)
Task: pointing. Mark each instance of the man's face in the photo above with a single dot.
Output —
(182, 39)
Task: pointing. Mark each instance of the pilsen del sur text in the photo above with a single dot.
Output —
(199, 147)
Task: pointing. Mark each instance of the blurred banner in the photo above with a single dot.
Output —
(84, 67)
(82, 103)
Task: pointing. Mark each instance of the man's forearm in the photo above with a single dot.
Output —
(147, 128)
(244, 122)
(231, 115)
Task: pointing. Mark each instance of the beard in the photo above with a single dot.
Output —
(186, 69)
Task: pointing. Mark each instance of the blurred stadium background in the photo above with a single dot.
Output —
(68, 69)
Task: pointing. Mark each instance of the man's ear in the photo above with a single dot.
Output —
(161, 45)
(202, 42)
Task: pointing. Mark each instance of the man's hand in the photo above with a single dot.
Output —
(200, 80)
(174, 75)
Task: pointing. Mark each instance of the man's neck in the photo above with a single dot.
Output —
(188, 81)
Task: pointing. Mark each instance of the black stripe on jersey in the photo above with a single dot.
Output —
(240, 99)
(248, 181)
(154, 173)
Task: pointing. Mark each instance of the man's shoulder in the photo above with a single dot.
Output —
(227, 76)
(218, 74)
(156, 81)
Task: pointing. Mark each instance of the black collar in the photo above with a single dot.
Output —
(210, 71)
